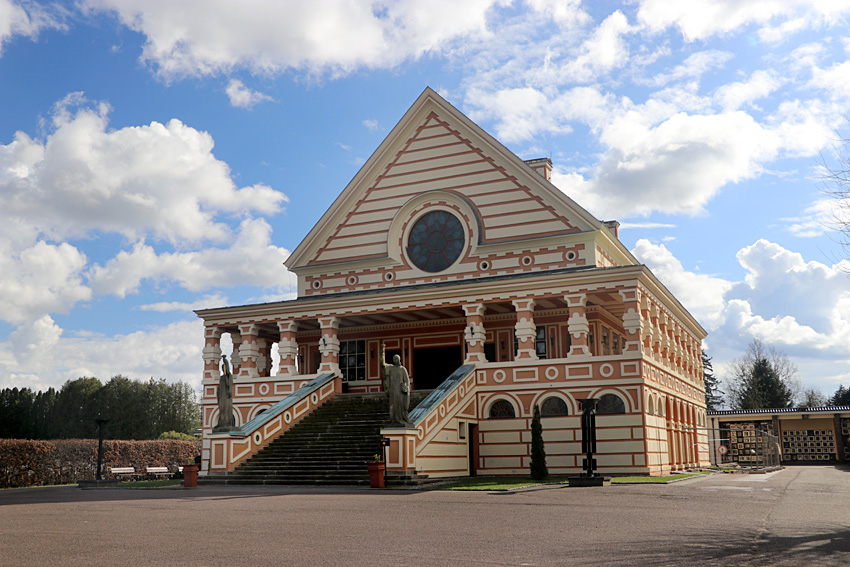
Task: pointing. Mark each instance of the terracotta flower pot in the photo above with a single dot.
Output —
(376, 474)
(190, 475)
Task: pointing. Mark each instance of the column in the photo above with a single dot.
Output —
(525, 329)
(249, 351)
(577, 324)
(632, 321)
(287, 347)
(474, 333)
(235, 359)
(264, 359)
(329, 345)
(212, 353)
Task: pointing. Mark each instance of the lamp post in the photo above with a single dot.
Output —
(100, 423)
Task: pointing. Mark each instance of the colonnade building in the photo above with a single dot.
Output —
(497, 291)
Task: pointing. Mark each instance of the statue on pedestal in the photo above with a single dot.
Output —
(226, 421)
(397, 384)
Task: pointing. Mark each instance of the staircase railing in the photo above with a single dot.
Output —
(229, 449)
(434, 415)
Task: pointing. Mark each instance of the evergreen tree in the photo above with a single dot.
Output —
(135, 409)
(759, 382)
(841, 397)
(713, 393)
(538, 451)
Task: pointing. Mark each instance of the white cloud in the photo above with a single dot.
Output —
(42, 278)
(695, 66)
(705, 18)
(565, 12)
(674, 167)
(733, 96)
(701, 294)
(27, 19)
(645, 225)
(43, 359)
(205, 302)
(821, 217)
(242, 97)
(252, 259)
(371, 124)
(605, 50)
(160, 180)
(322, 36)
(801, 308)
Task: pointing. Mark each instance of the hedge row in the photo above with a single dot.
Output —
(35, 463)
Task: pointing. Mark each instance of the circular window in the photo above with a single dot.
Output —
(435, 241)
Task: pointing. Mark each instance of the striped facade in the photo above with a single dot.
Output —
(541, 304)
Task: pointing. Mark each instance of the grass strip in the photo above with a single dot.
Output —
(159, 483)
(515, 482)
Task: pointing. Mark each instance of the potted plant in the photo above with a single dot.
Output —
(190, 474)
(377, 469)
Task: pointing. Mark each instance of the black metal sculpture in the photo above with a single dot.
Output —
(588, 436)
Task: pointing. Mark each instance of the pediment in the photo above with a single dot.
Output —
(435, 150)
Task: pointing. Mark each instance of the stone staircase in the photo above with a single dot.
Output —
(331, 446)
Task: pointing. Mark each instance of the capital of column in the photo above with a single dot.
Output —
(474, 309)
(524, 304)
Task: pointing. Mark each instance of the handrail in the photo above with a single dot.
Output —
(433, 399)
(283, 405)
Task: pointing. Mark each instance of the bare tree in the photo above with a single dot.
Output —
(813, 398)
(836, 185)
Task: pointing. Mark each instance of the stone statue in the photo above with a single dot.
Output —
(226, 421)
(397, 384)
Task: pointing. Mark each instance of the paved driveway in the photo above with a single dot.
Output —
(797, 516)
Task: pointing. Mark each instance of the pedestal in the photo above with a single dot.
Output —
(376, 474)
(190, 475)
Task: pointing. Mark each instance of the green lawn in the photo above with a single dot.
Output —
(514, 482)
(150, 483)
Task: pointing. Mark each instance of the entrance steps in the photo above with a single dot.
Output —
(331, 446)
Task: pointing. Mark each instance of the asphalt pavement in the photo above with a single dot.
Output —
(799, 516)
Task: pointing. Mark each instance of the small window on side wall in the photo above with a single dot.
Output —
(502, 409)
(553, 407)
(610, 404)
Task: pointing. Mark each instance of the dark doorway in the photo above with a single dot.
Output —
(431, 366)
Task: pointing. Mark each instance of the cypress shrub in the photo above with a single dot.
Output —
(538, 452)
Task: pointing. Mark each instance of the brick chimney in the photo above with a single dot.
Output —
(543, 166)
(613, 226)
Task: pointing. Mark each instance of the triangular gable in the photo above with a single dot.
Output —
(434, 147)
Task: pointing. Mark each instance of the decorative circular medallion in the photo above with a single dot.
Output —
(287, 417)
(499, 376)
(436, 241)
(314, 398)
(606, 370)
(258, 438)
(552, 372)
(264, 389)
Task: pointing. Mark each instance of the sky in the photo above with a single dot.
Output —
(158, 157)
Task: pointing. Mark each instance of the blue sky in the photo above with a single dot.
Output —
(158, 157)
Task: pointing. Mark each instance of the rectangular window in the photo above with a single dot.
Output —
(352, 360)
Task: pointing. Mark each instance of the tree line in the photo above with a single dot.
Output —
(135, 410)
(764, 378)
